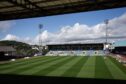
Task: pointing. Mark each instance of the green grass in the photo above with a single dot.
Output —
(88, 69)
(67, 66)
(101, 69)
(75, 68)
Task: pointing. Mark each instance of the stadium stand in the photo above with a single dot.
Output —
(76, 49)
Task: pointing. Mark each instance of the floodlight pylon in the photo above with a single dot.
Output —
(40, 38)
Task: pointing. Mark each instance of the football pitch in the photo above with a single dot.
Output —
(67, 66)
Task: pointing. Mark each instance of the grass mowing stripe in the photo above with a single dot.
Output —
(75, 69)
(116, 72)
(60, 70)
(36, 69)
(54, 66)
(101, 69)
(123, 68)
(21, 63)
(28, 66)
(88, 69)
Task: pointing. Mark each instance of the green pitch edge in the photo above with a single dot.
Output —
(20, 60)
(26, 61)
(38, 69)
(123, 68)
(75, 67)
(18, 69)
(17, 61)
(101, 69)
(54, 66)
(88, 69)
(116, 69)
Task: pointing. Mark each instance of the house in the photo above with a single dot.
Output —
(7, 51)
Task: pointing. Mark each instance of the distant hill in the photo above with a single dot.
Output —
(21, 48)
(11, 43)
(16, 44)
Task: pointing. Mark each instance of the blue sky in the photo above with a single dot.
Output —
(23, 28)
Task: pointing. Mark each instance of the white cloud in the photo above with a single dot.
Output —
(26, 40)
(6, 25)
(80, 33)
(84, 33)
(117, 26)
(10, 37)
(16, 38)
